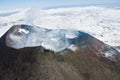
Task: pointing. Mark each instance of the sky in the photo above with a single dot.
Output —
(15, 4)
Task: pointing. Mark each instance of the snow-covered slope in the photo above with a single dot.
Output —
(102, 23)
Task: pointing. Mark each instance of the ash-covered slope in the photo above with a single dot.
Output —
(87, 62)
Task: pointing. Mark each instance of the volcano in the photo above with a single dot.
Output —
(75, 56)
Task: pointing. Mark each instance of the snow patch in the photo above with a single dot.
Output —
(70, 35)
(72, 47)
(23, 31)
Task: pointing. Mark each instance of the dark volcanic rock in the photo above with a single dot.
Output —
(88, 62)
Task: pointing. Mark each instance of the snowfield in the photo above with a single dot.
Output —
(102, 23)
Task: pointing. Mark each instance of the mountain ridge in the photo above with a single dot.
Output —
(38, 63)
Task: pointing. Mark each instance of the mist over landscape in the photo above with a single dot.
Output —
(60, 40)
(102, 23)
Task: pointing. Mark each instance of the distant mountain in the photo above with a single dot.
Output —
(88, 59)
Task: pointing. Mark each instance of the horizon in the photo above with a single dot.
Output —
(46, 4)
